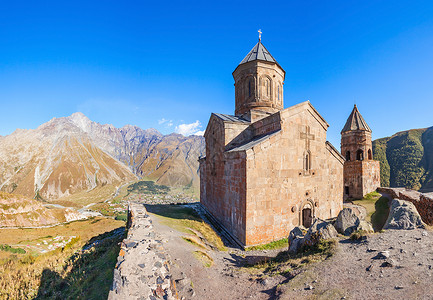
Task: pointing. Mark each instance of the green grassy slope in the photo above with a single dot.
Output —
(406, 159)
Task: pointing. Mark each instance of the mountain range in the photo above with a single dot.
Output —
(406, 159)
(72, 154)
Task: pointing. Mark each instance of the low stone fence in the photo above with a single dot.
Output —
(142, 270)
(422, 201)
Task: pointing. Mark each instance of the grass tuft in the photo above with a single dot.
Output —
(358, 235)
(204, 258)
(270, 246)
(194, 241)
(285, 262)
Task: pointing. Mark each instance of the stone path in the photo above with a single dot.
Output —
(142, 270)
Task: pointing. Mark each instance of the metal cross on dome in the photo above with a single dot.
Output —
(260, 34)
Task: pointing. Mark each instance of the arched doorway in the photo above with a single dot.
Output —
(307, 215)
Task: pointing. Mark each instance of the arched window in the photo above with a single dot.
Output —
(268, 88)
(359, 155)
(307, 162)
(369, 154)
(278, 93)
(249, 88)
(348, 156)
(265, 85)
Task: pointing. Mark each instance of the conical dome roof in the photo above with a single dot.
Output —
(355, 122)
(259, 52)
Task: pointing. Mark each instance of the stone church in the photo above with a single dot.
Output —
(268, 169)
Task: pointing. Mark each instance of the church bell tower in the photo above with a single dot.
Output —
(361, 172)
(259, 83)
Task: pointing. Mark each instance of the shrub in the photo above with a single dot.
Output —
(12, 250)
(122, 217)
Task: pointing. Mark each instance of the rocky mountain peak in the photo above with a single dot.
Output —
(81, 121)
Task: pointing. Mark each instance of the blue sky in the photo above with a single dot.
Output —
(165, 64)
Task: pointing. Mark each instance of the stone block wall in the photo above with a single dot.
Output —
(278, 188)
(223, 193)
(142, 270)
(361, 177)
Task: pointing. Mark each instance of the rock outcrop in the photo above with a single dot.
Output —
(142, 270)
(403, 215)
(318, 231)
(422, 201)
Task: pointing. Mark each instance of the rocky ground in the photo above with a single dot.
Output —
(360, 270)
(355, 271)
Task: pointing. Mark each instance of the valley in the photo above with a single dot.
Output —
(39, 261)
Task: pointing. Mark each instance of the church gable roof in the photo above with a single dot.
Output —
(355, 122)
(257, 140)
(304, 106)
(259, 52)
(230, 118)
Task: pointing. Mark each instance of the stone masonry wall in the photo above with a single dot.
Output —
(142, 270)
(278, 188)
(362, 177)
(423, 202)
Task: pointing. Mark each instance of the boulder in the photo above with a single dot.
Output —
(365, 226)
(296, 244)
(403, 215)
(296, 232)
(347, 221)
(320, 230)
(358, 210)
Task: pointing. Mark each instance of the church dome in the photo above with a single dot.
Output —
(355, 122)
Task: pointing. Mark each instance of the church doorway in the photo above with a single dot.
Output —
(307, 216)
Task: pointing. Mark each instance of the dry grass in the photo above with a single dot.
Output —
(183, 219)
(86, 229)
(63, 272)
(194, 241)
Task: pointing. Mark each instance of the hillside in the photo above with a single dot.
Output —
(20, 211)
(406, 159)
(73, 154)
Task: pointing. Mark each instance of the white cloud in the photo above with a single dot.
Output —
(168, 123)
(189, 129)
(200, 133)
(162, 121)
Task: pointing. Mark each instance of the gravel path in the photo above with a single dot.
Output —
(354, 272)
